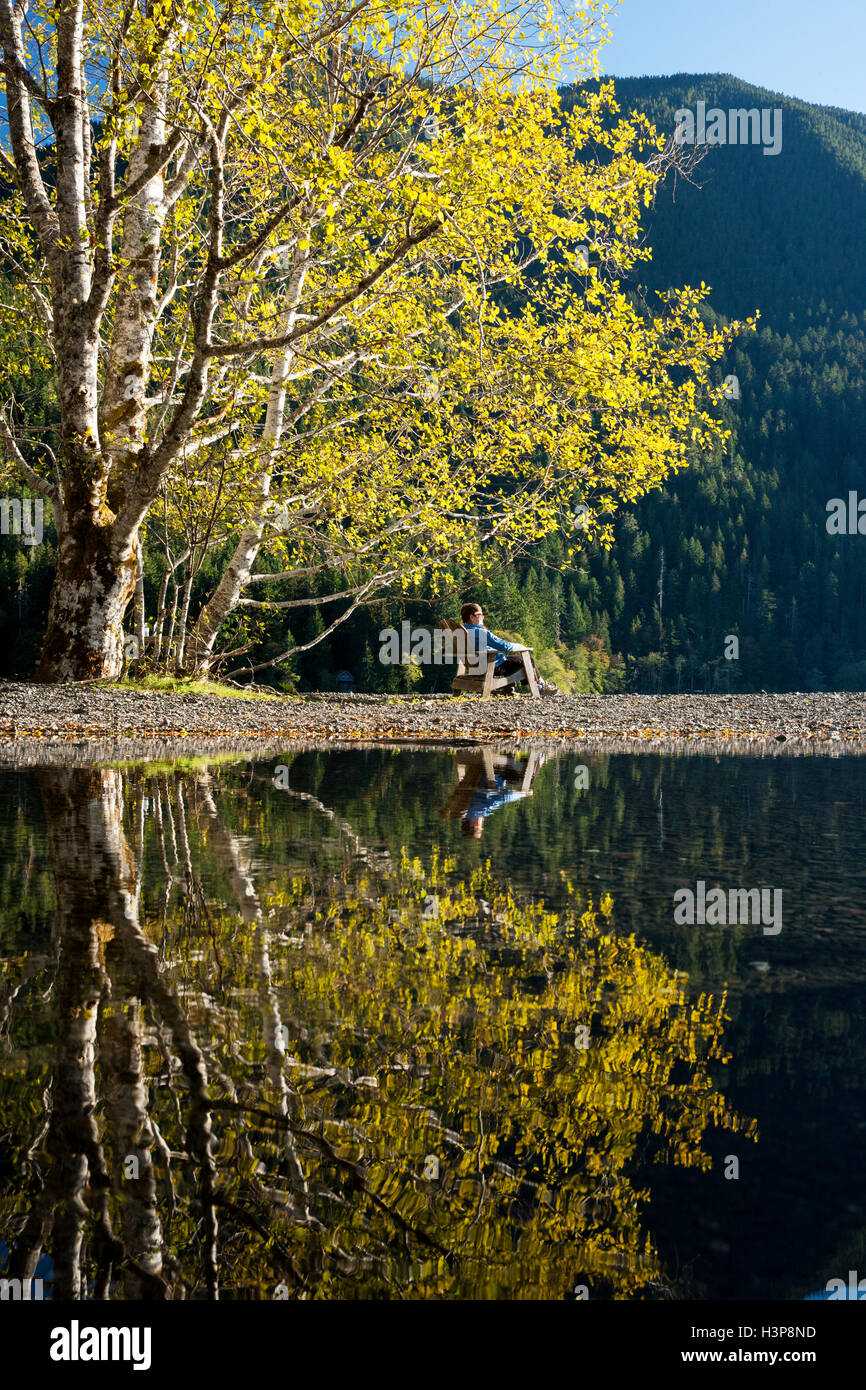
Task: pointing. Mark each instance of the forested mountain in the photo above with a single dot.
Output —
(737, 545)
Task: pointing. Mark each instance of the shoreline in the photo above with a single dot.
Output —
(88, 723)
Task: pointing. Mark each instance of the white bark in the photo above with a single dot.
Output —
(240, 566)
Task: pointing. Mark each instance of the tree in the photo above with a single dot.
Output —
(360, 223)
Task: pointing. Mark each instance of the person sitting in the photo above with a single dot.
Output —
(483, 640)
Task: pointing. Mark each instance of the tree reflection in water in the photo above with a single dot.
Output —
(305, 1083)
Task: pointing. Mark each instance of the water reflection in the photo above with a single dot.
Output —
(333, 1070)
(487, 781)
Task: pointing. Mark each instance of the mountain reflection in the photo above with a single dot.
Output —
(362, 1076)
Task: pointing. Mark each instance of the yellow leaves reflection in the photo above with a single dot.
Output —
(544, 1060)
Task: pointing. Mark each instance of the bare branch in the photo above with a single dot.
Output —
(30, 476)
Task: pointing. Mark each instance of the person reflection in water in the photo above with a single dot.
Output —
(486, 782)
(484, 803)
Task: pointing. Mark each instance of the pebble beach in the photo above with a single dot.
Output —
(44, 722)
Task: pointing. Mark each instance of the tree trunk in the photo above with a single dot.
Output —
(200, 652)
(169, 641)
(139, 596)
(93, 585)
(159, 625)
(184, 613)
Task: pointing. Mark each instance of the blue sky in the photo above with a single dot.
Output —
(801, 48)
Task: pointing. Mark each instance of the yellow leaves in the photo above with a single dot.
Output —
(567, 388)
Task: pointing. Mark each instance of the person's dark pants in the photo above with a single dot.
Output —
(510, 668)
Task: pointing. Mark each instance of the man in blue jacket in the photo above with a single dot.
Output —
(482, 639)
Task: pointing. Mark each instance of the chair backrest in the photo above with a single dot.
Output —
(458, 644)
(472, 660)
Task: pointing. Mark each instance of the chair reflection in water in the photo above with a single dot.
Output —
(487, 781)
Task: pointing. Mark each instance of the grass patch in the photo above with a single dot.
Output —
(177, 685)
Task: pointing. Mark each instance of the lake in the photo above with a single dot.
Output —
(389, 1024)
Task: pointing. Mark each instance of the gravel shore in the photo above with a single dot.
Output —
(132, 722)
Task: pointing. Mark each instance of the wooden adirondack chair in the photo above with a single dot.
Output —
(475, 680)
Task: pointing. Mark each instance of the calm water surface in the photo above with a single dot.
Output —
(384, 1024)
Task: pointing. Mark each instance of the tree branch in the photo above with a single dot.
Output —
(255, 346)
(31, 478)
